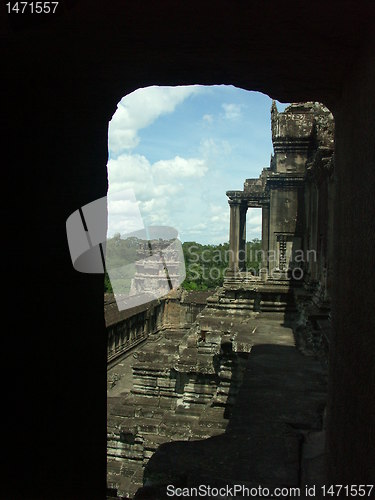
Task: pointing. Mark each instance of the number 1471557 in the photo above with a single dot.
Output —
(352, 490)
(32, 7)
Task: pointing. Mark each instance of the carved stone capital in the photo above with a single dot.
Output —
(235, 197)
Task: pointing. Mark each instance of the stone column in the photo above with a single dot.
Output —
(265, 235)
(265, 240)
(234, 236)
(242, 238)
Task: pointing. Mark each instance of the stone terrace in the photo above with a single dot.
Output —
(259, 415)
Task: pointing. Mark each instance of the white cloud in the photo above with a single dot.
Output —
(129, 168)
(214, 147)
(213, 207)
(141, 108)
(121, 139)
(202, 225)
(180, 167)
(253, 223)
(232, 111)
(208, 119)
(182, 180)
(159, 193)
(167, 189)
(122, 206)
(254, 216)
(123, 213)
(216, 226)
(216, 218)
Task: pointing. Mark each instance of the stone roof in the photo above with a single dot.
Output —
(112, 314)
(197, 296)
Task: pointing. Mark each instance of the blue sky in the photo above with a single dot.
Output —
(178, 150)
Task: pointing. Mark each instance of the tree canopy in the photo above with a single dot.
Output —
(205, 264)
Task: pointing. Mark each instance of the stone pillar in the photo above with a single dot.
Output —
(234, 236)
(265, 239)
(242, 238)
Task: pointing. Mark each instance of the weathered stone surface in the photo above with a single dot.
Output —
(265, 401)
(174, 312)
(282, 395)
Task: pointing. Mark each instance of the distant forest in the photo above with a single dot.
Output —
(205, 264)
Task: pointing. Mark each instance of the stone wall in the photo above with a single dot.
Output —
(126, 329)
(180, 389)
(296, 195)
(350, 429)
(184, 386)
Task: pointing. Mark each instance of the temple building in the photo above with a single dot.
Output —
(295, 194)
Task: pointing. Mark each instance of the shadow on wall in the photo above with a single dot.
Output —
(281, 398)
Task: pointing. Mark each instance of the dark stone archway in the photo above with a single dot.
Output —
(63, 77)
